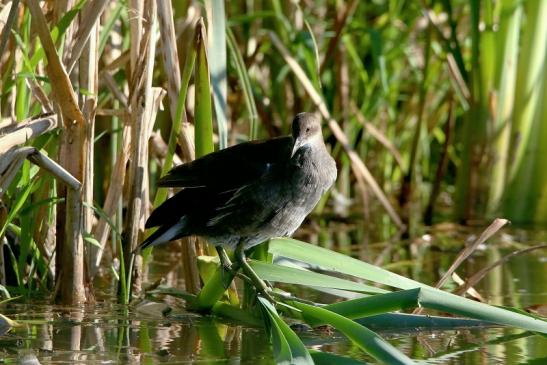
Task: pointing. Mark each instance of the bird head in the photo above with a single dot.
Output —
(306, 131)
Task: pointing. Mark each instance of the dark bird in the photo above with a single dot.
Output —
(243, 195)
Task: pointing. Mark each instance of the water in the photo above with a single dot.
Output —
(106, 333)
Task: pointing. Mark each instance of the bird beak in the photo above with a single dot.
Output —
(297, 144)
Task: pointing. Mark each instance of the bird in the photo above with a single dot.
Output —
(243, 195)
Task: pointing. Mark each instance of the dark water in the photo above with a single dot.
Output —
(111, 334)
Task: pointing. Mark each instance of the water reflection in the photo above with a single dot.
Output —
(109, 334)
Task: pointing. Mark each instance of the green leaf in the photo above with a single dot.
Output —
(334, 261)
(291, 275)
(360, 335)
(326, 358)
(58, 31)
(107, 27)
(288, 348)
(88, 237)
(243, 76)
(203, 111)
(410, 322)
(101, 213)
(417, 294)
(189, 63)
(17, 205)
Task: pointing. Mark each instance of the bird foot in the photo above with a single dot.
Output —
(266, 294)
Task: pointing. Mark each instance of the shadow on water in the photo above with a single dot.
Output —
(111, 334)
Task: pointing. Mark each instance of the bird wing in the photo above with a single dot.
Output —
(232, 167)
(211, 181)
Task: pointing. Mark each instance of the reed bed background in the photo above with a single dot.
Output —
(433, 110)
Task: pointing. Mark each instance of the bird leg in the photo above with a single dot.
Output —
(226, 266)
(224, 259)
(257, 282)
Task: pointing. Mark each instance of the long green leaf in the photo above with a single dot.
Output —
(360, 335)
(289, 275)
(418, 294)
(409, 322)
(326, 358)
(243, 76)
(288, 348)
(17, 205)
(189, 63)
(59, 30)
(334, 261)
(203, 111)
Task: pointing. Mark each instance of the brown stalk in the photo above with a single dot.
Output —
(3, 241)
(113, 196)
(72, 157)
(40, 95)
(142, 58)
(25, 130)
(357, 164)
(10, 164)
(118, 62)
(339, 25)
(86, 36)
(14, 159)
(473, 280)
(12, 16)
(170, 55)
(172, 70)
(86, 51)
(109, 81)
(467, 251)
(158, 148)
(377, 135)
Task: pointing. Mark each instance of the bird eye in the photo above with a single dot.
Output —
(308, 130)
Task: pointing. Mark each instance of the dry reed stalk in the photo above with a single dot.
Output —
(470, 291)
(172, 70)
(8, 24)
(86, 51)
(475, 278)
(377, 135)
(70, 258)
(467, 251)
(10, 164)
(109, 81)
(158, 148)
(40, 95)
(157, 96)
(170, 55)
(19, 133)
(102, 230)
(495, 226)
(110, 112)
(54, 168)
(141, 94)
(358, 165)
(339, 24)
(3, 241)
(85, 39)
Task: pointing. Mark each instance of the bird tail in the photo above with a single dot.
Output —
(164, 234)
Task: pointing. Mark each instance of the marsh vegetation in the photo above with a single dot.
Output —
(433, 110)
